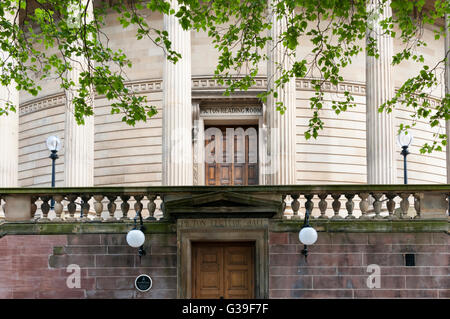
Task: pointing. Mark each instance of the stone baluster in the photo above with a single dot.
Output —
(111, 207)
(125, 206)
(379, 88)
(323, 205)
(288, 212)
(85, 206)
(138, 206)
(177, 106)
(350, 205)
(45, 208)
(448, 202)
(2, 214)
(417, 198)
(404, 205)
(377, 205)
(309, 205)
(58, 207)
(34, 207)
(283, 205)
(364, 205)
(72, 206)
(336, 206)
(159, 207)
(295, 205)
(391, 205)
(151, 206)
(98, 207)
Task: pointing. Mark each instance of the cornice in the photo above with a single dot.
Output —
(200, 84)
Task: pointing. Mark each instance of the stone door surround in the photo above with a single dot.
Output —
(221, 111)
(222, 230)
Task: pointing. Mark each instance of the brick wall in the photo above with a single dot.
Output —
(34, 266)
(337, 265)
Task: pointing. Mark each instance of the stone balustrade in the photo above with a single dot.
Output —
(334, 202)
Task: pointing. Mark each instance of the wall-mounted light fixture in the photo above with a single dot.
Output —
(404, 140)
(307, 235)
(136, 237)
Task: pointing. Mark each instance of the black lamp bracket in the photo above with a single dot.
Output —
(141, 250)
(306, 224)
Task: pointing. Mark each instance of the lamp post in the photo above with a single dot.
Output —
(404, 140)
(307, 235)
(54, 145)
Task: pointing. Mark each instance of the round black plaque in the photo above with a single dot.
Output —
(143, 283)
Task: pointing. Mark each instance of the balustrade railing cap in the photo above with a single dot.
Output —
(161, 190)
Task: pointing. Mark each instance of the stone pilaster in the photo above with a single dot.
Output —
(280, 168)
(9, 134)
(447, 87)
(380, 129)
(78, 139)
(177, 107)
(9, 138)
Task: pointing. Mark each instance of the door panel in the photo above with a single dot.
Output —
(242, 170)
(223, 270)
(208, 265)
(238, 272)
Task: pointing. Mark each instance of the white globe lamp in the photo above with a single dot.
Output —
(404, 140)
(135, 238)
(53, 143)
(307, 235)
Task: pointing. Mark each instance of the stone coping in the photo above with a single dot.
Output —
(364, 226)
(152, 227)
(86, 227)
(285, 189)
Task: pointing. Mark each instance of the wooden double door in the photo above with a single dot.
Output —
(223, 270)
(236, 164)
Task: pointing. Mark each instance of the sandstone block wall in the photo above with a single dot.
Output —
(337, 266)
(35, 266)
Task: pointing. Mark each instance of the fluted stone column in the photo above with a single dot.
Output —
(9, 140)
(177, 107)
(447, 88)
(9, 134)
(78, 139)
(281, 127)
(380, 132)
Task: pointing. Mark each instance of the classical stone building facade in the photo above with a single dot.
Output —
(356, 147)
(250, 234)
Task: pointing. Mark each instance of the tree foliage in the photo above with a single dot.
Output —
(45, 38)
